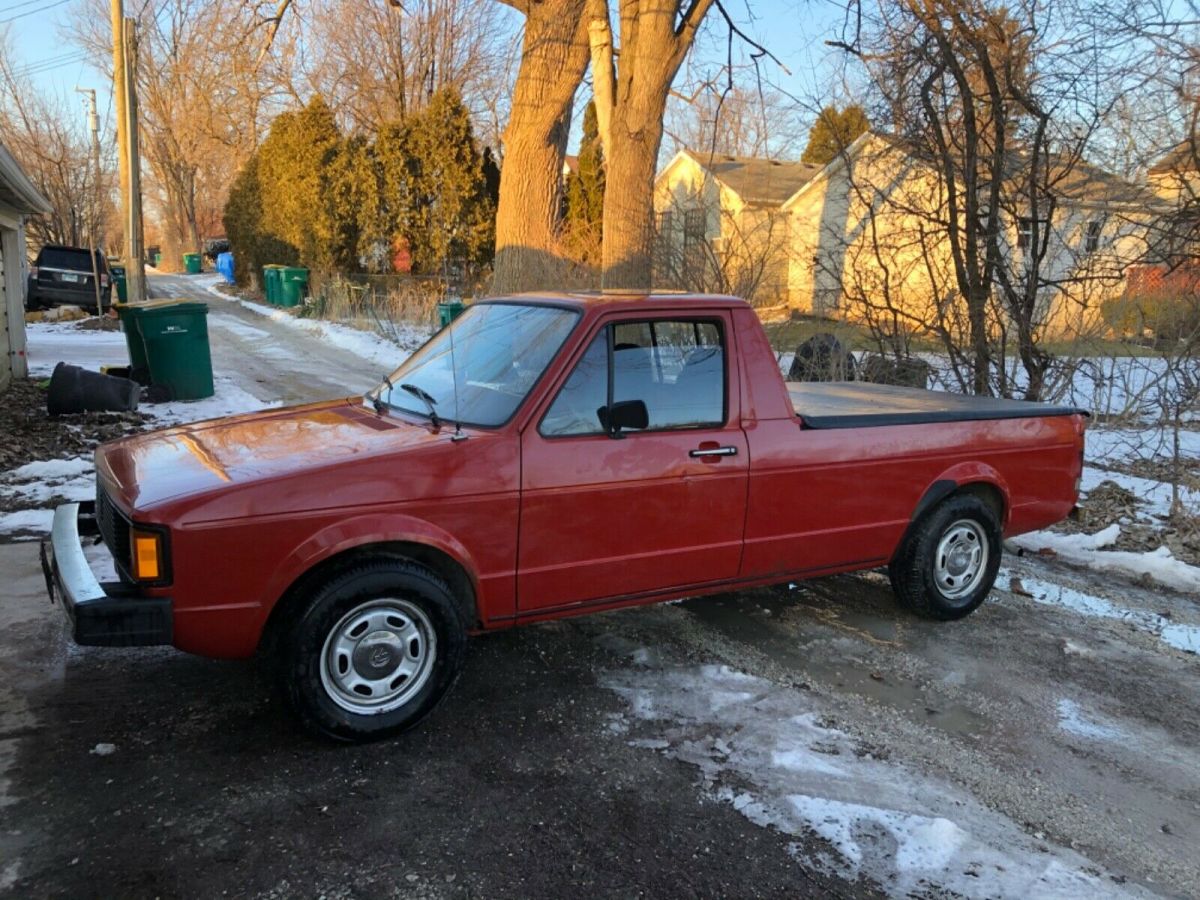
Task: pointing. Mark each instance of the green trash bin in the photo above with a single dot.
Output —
(191, 263)
(271, 282)
(128, 313)
(448, 312)
(118, 277)
(177, 351)
(293, 285)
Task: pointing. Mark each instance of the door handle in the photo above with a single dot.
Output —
(713, 451)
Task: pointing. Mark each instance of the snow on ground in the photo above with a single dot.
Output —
(770, 753)
(1118, 445)
(40, 485)
(1180, 636)
(364, 344)
(49, 343)
(1087, 550)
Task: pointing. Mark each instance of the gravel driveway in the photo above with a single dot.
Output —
(805, 740)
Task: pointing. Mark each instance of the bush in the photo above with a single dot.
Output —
(1168, 317)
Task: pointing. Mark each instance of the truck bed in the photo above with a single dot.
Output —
(853, 404)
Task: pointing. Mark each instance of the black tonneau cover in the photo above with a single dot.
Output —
(854, 404)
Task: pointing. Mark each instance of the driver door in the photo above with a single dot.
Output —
(608, 515)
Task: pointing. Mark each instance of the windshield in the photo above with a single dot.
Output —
(499, 351)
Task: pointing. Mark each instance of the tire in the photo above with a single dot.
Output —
(948, 562)
(372, 650)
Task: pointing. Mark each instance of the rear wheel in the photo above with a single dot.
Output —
(373, 650)
(948, 563)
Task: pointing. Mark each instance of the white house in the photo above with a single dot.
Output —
(18, 199)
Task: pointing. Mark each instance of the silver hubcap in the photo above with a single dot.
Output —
(378, 656)
(961, 559)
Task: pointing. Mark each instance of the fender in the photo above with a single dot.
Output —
(962, 474)
(358, 531)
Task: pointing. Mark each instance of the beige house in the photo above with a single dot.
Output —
(864, 237)
(18, 199)
(721, 225)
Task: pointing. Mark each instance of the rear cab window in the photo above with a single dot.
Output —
(675, 366)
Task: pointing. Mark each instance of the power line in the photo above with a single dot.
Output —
(47, 61)
(33, 12)
(38, 69)
(4, 9)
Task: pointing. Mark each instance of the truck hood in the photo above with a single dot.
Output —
(145, 470)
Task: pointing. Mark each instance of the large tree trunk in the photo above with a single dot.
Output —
(553, 58)
(631, 96)
(628, 250)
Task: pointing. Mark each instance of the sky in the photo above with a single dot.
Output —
(793, 30)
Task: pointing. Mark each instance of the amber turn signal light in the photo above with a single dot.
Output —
(147, 555)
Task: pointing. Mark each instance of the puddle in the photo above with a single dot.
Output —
(740, 617)
(1173, 634)
(1074, 720)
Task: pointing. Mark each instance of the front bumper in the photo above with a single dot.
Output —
(102, 615)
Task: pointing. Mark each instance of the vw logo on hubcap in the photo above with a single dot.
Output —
(379, 657)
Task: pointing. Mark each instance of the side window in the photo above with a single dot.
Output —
(675, 367)
(574, 410)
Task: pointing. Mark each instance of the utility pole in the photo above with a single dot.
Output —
(118, 47)
(135, 275)
(94, 126)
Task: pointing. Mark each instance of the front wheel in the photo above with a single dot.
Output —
(374, 649)
(948, 563)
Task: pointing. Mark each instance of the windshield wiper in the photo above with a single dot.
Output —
(429, 402)
(377, 401)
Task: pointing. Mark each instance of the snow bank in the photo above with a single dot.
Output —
(228, 399)
(1085, 550)
(364, 344)
(879, 818)
(37, 521)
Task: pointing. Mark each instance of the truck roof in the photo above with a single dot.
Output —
(622, 299)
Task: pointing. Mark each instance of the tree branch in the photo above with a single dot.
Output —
(600, 42)
(272, 29)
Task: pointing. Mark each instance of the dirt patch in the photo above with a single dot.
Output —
(28, 432)
(100, 323)
(1109, 503)
(1162, 468)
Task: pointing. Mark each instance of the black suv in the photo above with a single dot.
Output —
(62, 276)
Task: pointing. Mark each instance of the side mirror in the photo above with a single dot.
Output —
(623, 414)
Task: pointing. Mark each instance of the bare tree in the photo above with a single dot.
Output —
(745, 119)
(397, 56)
(995, 107)
(750, 259)
(203, 98)
(46, 134)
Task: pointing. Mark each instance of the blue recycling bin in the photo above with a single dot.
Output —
(225, 266)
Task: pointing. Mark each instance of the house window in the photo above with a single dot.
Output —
(1027, 229)
(693, 227)
(1091, 241)
(663, 223)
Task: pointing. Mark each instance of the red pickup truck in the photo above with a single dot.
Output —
(544, 456)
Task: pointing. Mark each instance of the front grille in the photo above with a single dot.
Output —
(114, 528)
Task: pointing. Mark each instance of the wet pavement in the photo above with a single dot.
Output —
(1060, 723)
